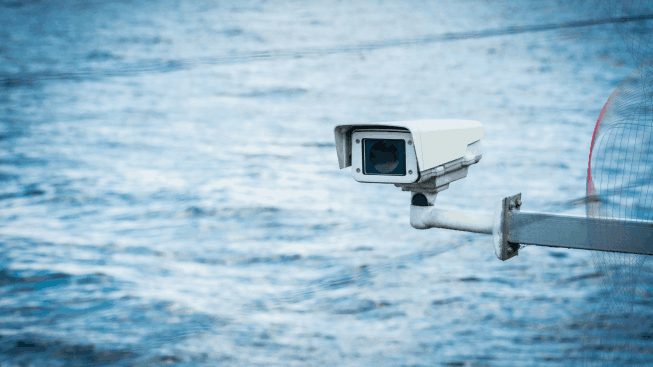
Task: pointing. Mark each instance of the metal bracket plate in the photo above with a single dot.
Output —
(503, 222)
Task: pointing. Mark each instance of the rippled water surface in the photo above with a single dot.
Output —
(170, 193)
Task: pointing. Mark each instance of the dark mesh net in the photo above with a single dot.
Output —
(620, 186)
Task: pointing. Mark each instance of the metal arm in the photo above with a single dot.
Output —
(555, 230)
(424, 217)
(511, 227)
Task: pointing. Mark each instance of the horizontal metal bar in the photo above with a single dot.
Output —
(555, 230)
(423, 217)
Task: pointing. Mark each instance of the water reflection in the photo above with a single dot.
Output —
(158, 206)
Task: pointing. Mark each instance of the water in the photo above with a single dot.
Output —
(169, 195)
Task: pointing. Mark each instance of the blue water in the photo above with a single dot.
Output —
(170, 191)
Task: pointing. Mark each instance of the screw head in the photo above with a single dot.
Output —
(358, 141)
(410, 172)
(358, 170)
(410, 142)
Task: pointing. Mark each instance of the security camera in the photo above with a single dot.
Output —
(421, 156)
(424, 156)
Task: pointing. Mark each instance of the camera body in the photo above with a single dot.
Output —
(419, 156)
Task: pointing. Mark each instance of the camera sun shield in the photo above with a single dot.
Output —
(383, 156)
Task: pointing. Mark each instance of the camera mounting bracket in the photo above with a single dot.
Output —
(438, 179)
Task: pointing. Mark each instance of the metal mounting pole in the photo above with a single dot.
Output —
(511, 227)
(555, 230)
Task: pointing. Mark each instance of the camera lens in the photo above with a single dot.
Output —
(384, 157)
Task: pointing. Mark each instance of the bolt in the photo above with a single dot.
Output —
(358, 141)
(410, 172)
(410, 142)
(358, 170)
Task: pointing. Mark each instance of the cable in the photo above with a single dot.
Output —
(162, 66)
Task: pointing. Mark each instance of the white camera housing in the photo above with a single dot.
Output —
(433, 149)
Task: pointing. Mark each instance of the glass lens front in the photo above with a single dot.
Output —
(384, 157)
